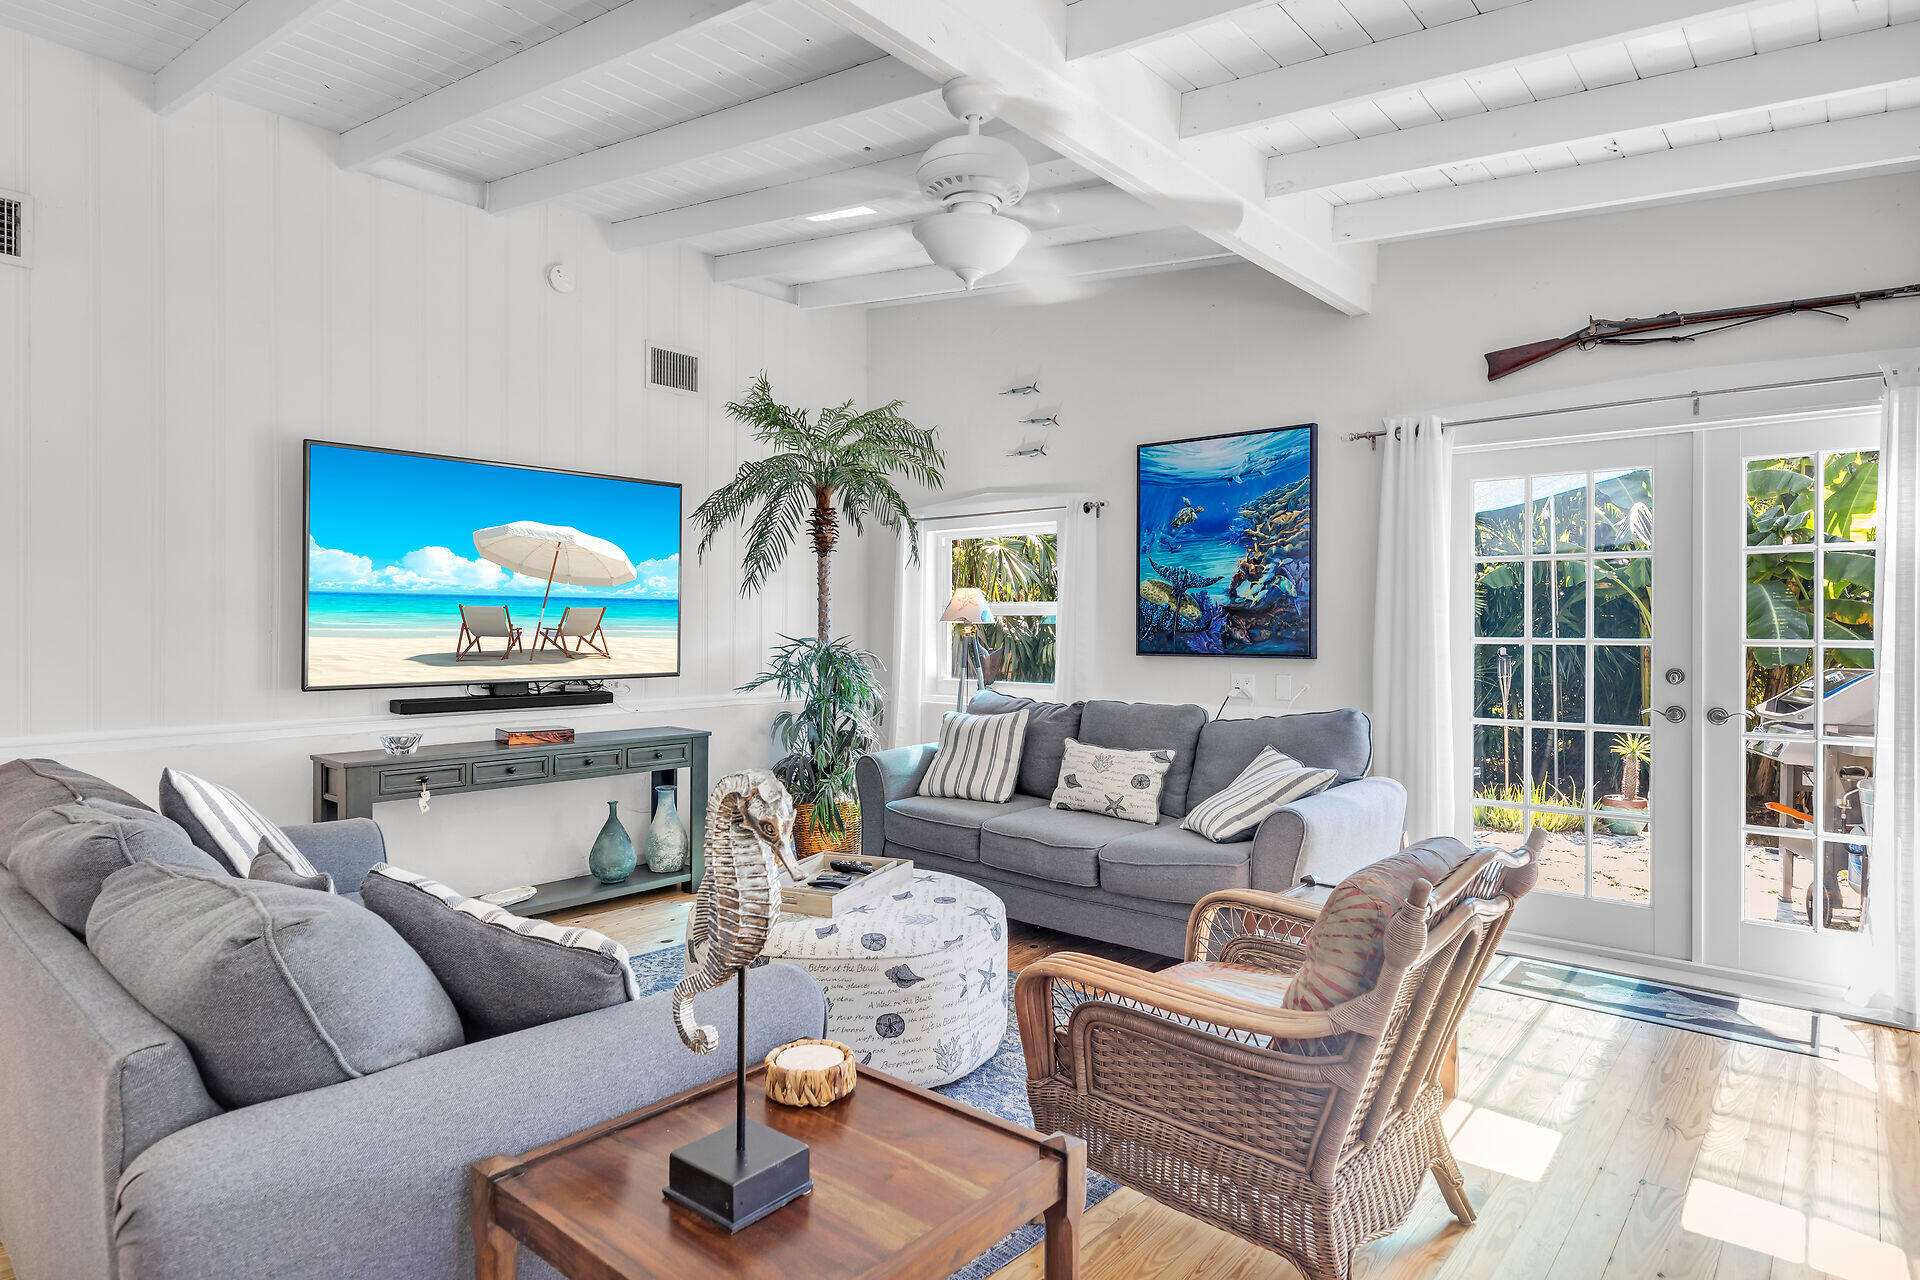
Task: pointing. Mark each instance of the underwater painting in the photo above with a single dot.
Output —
(1226, 545)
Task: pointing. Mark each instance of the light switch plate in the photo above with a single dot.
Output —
(1283, 686)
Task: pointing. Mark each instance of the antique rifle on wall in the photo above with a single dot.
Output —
(1623, 333)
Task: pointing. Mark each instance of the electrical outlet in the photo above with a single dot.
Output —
(1243, 683)
(1283, 686)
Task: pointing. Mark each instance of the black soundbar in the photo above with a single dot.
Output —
(498, 702)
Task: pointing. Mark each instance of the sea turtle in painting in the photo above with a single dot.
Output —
(749, 838)
(1187, 513)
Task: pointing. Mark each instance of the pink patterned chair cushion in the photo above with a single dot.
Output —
(1348, 942)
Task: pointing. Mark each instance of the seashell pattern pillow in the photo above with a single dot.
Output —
(1107, 780)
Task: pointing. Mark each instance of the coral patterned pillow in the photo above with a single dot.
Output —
(1348, 943)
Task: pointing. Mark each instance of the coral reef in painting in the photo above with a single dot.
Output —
(1226, 545)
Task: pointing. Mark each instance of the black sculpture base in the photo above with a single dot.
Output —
(732, 1188)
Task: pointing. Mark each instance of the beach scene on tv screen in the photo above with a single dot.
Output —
(424, 570)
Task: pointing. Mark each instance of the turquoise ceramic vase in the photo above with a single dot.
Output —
(667, 837)
(612, 859)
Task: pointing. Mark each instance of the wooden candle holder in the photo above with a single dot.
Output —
(818, 1087)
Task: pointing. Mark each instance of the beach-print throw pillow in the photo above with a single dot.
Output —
(1269, 783)
(978, 757)
(224, 825)
(1119, 784)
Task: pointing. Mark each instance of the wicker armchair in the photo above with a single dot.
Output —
(1307, 1133)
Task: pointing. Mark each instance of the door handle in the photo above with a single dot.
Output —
(1718, 715)
(1674, 714)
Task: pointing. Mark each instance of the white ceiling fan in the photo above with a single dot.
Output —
(978, 180)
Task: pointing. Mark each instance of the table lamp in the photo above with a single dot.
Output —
(968, 608)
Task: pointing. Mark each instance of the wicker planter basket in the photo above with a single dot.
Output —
(809, 837)
(815, 1087)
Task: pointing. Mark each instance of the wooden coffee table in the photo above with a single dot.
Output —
(907, 1185)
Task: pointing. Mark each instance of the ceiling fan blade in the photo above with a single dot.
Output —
(1045, 278)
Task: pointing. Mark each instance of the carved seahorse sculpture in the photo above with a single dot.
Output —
(749, 838)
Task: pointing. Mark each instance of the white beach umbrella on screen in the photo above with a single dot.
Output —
(556, 552)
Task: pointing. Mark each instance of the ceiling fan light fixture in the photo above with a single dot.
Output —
(970, 241)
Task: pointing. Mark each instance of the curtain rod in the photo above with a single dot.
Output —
(1447, 424)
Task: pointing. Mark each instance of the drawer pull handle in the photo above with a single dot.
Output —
(588, 760)
(511, 769)
(421, 779)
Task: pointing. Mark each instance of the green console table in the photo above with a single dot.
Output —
(348, 785)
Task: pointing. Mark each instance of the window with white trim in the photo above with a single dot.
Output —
(1014, 560)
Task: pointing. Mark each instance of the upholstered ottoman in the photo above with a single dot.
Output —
(916, 983)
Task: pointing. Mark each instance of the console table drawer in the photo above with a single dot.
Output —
(509, 770)
(670, 756)
(606, 760)
(399, 782)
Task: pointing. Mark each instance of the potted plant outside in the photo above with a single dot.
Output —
(826, 467)
(1634, 751)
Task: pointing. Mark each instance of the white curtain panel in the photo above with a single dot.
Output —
(913, 613)
(1892, 977)
(1073, 639)
(1413, 732)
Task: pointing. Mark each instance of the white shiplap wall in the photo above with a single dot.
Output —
(209, 289)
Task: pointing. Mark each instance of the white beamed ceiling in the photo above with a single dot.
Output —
(575, 123)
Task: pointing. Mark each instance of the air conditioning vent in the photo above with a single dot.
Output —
(14, 209)
(673, 370)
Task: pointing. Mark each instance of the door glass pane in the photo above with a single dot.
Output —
(1499, 765)
(1849, 705)
(1779, 591)
(1500, 600)
(1623, 510)
(1498, 692)
(1779, 690)
(1560, 767)
(1560, 682)
(1560, 598)
(1622, 770)
(1559, 513)
(1774, 874)
(1780, 501)
(1622, 859)
(1849, 590)
(1622, 683)
(1563, 862)
(1499, 517)
(1623, 598)
(1850, 499)
(1843, 889)
(1779, 784)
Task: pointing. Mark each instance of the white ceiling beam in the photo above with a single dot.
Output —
(1805, 73)
(1099, 27)
(804, 197)
(886, 248)
(575, 52)
(425, 177)
(240, 35)
(1121, 255)
(1121, 122)
(1791, 157)
(853, 92)
(1467, 46)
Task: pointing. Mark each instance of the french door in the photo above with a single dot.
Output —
(1574, 604)
(1787, 733)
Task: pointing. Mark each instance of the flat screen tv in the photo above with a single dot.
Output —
(429, 570)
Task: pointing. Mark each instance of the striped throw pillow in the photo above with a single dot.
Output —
(978, 757)
(222, 824)
(1271, 782)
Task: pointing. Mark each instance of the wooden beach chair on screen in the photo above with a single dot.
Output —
(578, 624)
(485, 622)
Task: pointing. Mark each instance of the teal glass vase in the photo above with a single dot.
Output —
(667, 837)
(612, 859)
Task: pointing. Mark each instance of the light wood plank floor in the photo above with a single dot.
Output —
(1593, 1147)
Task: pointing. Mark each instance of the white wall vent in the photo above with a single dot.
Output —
(16, 222)
(673, 370)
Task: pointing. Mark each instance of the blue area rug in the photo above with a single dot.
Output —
(1728, 1017)
(998, 1086)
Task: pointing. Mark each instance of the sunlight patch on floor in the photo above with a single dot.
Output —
(1722, 1213)
(1499, 1143)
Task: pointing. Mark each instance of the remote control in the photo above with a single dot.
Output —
(851, 867)
(830, 882)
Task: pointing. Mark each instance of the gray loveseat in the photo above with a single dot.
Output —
(1126, 882)
(117, 1163)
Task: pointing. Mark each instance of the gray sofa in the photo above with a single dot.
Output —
(1127, 882)
(117, 1163)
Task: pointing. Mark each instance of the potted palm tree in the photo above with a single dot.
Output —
(1634, 751)
(826, 467)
